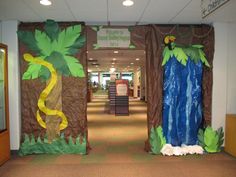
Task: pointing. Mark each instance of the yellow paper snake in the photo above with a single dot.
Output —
(41, 101)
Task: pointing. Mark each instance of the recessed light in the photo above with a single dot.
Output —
(116, 51)
(131, 63)
(137, 59)
(114, 59)
(90, 58)
(128, 3)
(46, 2)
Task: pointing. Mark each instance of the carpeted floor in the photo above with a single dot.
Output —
(117, 151)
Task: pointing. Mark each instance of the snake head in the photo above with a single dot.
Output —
(28, 57)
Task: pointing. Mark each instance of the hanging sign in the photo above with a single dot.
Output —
(209, 6)
(122, 87)
(107, 37)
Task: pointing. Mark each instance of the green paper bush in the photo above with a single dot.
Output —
(58, 146)
(157, 140)
(210, 140)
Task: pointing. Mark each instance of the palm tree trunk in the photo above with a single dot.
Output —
(54, 101)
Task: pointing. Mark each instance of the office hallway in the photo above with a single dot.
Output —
(117, 138)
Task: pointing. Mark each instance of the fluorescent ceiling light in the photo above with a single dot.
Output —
(137, 59)
(131, 63)
(114, 59)
(116, 51)
(90, 58)
(46, 2)
(128, 3)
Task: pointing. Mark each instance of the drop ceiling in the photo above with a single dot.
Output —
(104, 12)
(123, 61)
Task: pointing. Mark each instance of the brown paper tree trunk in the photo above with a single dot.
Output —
(54, 101)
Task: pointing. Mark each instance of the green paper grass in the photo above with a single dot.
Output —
(157, 140)
(182, 53)
(211, 140)
(58, 146)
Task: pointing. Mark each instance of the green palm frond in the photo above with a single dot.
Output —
(183, 53)
(55, 46)
(76, 69)
(32, 71)
(27, 37)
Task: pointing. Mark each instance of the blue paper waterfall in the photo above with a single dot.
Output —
(182, 101)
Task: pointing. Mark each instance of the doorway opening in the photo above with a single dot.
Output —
(109, 131)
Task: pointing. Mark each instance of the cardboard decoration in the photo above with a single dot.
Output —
(53, 55)
(182, 89)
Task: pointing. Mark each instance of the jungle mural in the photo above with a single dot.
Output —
(52, 57)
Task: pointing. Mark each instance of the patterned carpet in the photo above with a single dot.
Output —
(118, 151)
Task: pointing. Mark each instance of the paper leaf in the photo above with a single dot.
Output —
(32, 71)
(132, 46)
(166, 56)
(180, 55)
(198, 46)
(58, 62)
(96, 46)
(157, 140)
(211, 139)
(76, 69)
(201, 138)
(44, 73)
(43, 42)
(203, 58)
(78, 44)
(29, 40)
(159, 132)
(67, 38)
(95, 28)
(52, 29)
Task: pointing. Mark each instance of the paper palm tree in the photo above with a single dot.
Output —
(55, 49)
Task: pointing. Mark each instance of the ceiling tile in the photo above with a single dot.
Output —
(89, 10)
(190, 14)
(119, 13)
(161, 12)
(17, 10)
(58, 11)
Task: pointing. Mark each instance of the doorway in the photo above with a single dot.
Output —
(107, 132)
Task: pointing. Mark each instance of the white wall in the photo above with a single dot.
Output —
(9, 37)
(231, 74)
(224, 73)
(220, 76)
(0, 31)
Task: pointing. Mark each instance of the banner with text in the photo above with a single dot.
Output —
(107, 37)
(209, 6)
